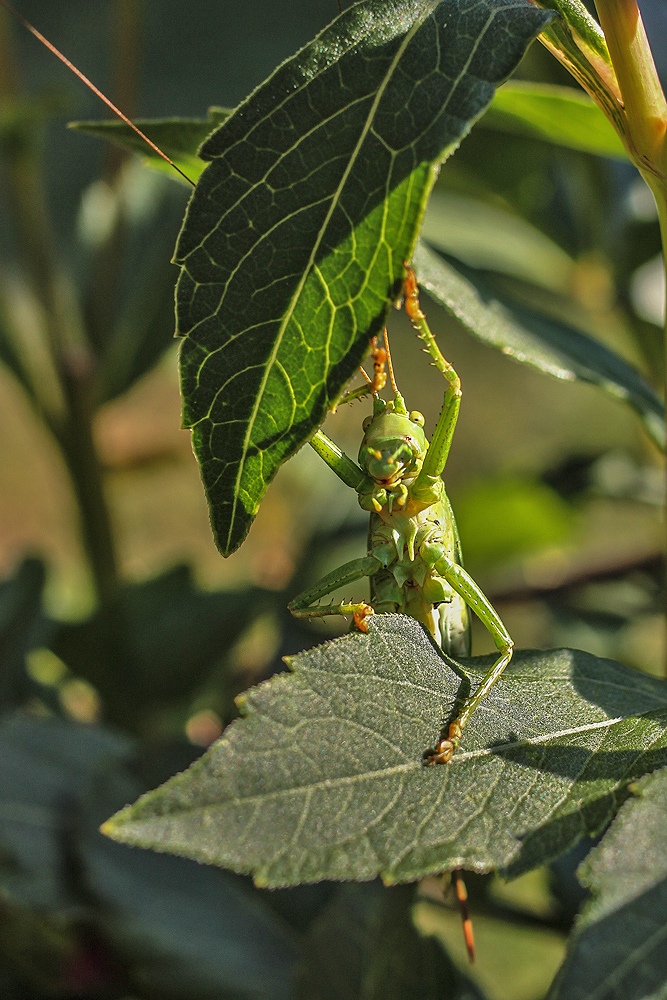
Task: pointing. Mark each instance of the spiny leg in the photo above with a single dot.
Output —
(303, 607)
(441, 440)
(462, 897)
(465, 586)
(377, 383)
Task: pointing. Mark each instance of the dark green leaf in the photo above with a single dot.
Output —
(295, 240)
(186, 930)
(45, 766)
(324, 778)
(163, 636)
(534, 339)
(619, 948)
(23, 627)
(364, 947)
(561, 115)
(179, 138)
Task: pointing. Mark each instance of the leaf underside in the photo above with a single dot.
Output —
(324, 777)
(294, 243)
(534, 339)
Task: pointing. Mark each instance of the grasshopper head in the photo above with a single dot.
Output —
(394, 443)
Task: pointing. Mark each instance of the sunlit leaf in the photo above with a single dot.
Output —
(620, 944)
(534, 339)
(577, 40)
(294, 243)
(561, 115)
(324, 777)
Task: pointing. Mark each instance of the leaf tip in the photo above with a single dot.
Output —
(108, 828)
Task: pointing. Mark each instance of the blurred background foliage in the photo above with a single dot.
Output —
(124, 635)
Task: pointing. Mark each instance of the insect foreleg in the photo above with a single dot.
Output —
(337, 460)
(463, 584)
(303, 605)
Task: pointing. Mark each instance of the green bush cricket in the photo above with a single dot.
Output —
(413, 560)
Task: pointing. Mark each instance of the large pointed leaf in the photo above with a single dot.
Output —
(295, 239)
(324, 778)
(620, 945)
(537, 340)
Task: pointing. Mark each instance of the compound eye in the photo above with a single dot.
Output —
(366, 424)
(416, 417)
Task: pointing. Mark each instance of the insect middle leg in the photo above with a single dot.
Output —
(303, 605)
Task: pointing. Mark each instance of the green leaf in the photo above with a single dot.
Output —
(23, 627)
(561, 115)
(536, 340)
(179, 138)
(187, 931)
(577, 40)
(364, 946)
(45, 766)
(324, 777)
(294, 243)
(619, 947)
(170, 635)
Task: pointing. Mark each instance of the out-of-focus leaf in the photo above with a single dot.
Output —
(45, 767)
(179, 138)
(503, 517)
(561, 115)
(488, 237)
(143, 328)
(324, 778)
(364, 945)
(294, 242)
(162, 637)
(10, 357)
(185, 930)
(534, 339)
(22, 627)
(619, 946)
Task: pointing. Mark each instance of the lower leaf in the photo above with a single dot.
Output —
(324, 778)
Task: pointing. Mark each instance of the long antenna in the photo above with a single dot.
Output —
(51, 47)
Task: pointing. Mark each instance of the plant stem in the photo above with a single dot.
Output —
(645, 109)
(70, 417)
(660, 195)
(632, 59)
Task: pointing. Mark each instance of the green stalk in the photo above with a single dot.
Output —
(644, 101)
(645, 108)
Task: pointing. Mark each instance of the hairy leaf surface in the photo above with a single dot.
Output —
(620, 945)
(294, 243)
(324, 777)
